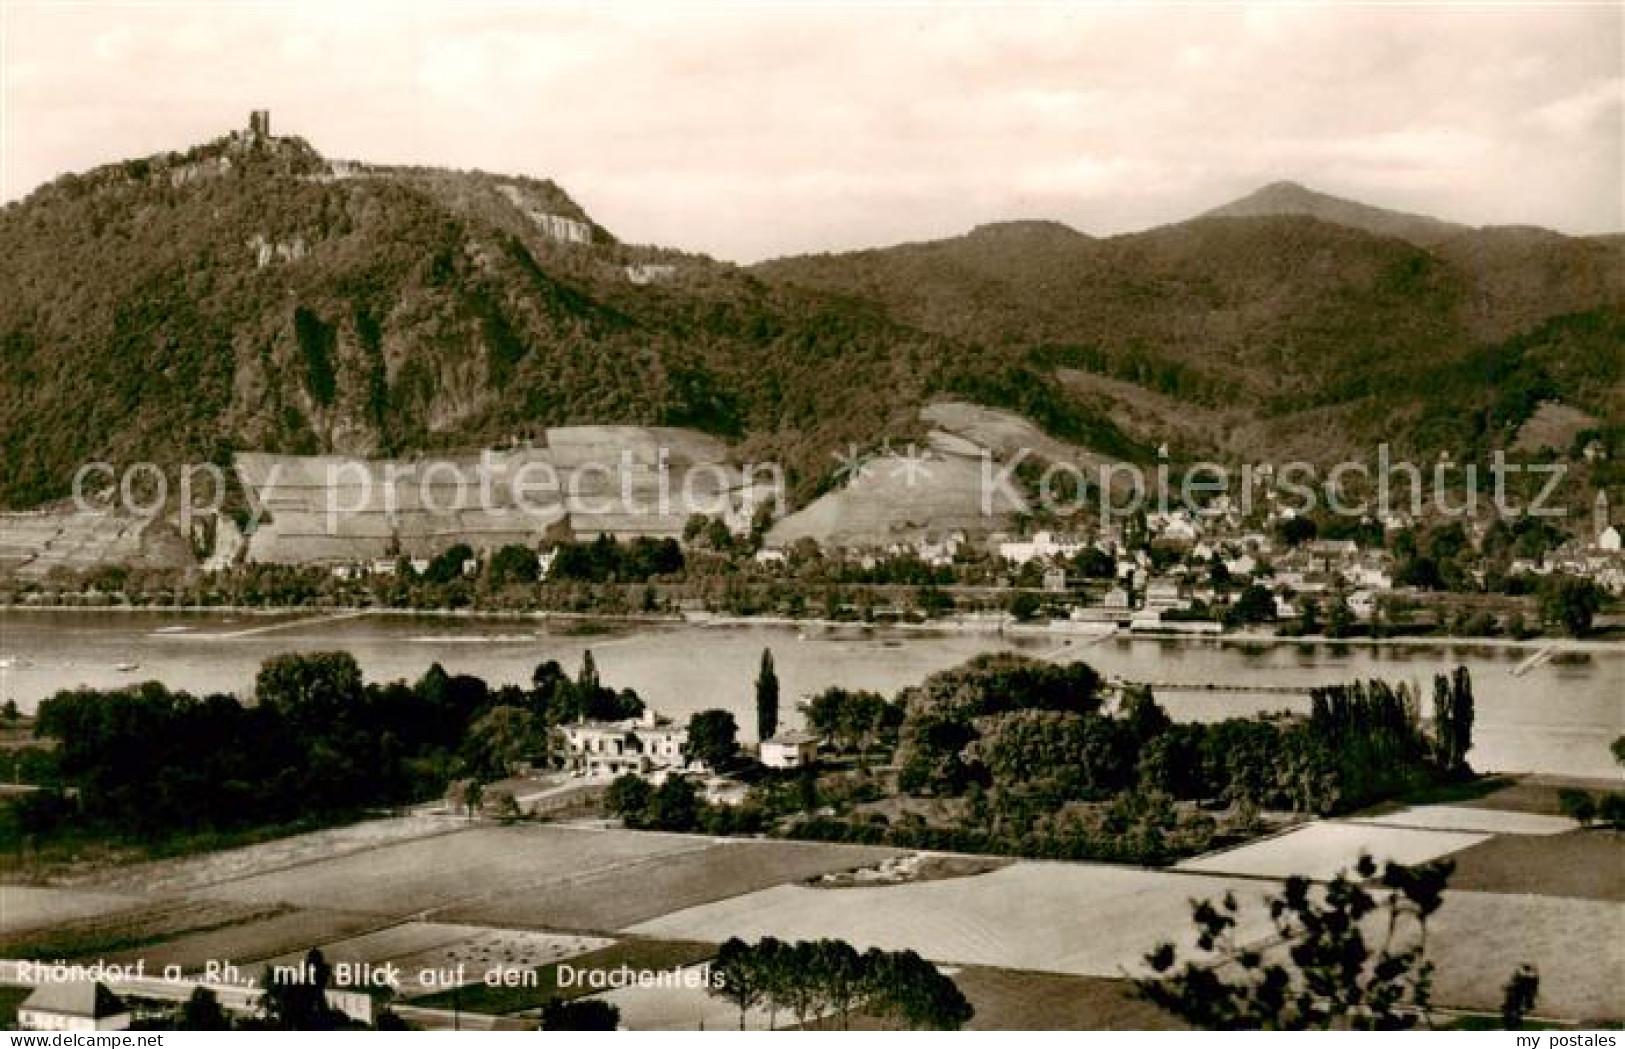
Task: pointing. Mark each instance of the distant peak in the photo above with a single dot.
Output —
(1024, 228)
(1287, 194)
(1285, 197)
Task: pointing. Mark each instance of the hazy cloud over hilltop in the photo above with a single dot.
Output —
(751, 132)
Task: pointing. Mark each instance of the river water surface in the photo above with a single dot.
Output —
(1558, 718)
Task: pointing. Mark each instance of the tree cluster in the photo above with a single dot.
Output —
(830, 978)
(316, 742)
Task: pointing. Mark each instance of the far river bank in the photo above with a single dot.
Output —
(954, 624)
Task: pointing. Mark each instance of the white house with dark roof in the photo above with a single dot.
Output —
(789, 750)
(73, 1005)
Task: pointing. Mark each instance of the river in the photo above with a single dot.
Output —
(1558, 718)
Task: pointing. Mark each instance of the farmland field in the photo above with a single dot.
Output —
(1006, 1000)
(1540, 795)
(1471, 820)
(468, 868)
(193, 872)
(635, 954)
(145, 922)
(415, 946)
(618, 897)
(248, 942)
(1587, 865)
(1037, 942)
(1055, 917)
(1321, 850)
(26, 907)
(1578, 946)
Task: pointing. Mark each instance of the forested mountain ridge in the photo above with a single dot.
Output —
(253, 294)
(1333, 335)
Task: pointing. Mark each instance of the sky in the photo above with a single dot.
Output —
(752, 131)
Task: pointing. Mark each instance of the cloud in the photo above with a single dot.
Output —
(756, 131)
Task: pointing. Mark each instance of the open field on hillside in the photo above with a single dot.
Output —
(292, 932)
(1534, 794)
(326, 507)
(1005, 433)
(38, 542)
(28, 907)
(1585, 865)
(893, 498)
(1477, 940)
(1538, 794)
(1086, 919)
(186, 873)
(1471, 820)
(1578, 946)
(1025, 932)
(621, 896)
(469, 868)
(1321, 850)
(1553, 425)
(468, 950)
(131, 927)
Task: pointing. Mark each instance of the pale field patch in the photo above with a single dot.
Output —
(465, 869)
(1578, 946)
(26, 906)
(251, 942)
(416, 946)
(186, 873)
(891, 498)
(1086, 919)
(1321, 850)
(615, 897)
(1480, 821)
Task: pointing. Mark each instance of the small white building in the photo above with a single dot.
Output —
(789, 750)
(1163, 594)
(1178, 528)
(1371, 574)
(1117, 597)
(1608, 540)
(73, 1005)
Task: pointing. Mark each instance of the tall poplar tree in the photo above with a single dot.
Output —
(767, 698)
